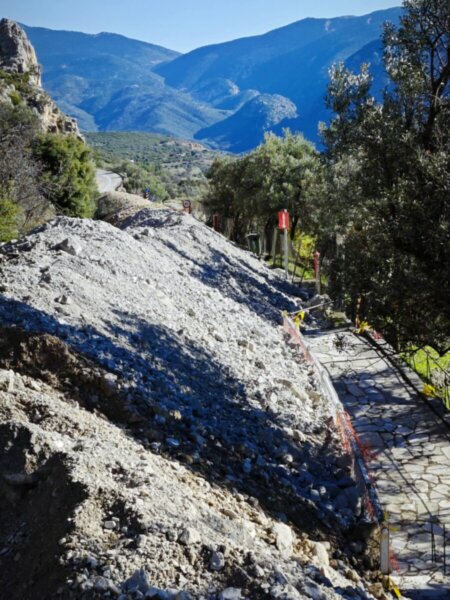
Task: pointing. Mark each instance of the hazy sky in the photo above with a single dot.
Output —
(180, 24)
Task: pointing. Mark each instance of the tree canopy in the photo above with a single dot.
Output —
(251, 189)
(387, 181)
(40, 174)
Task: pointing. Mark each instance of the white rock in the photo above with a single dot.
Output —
(230, 594)
(321, 554)
(283, 538)
(189, 536)
(6, 381)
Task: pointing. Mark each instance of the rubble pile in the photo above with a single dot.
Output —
(159, 437)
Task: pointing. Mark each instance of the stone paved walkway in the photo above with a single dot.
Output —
(409, 458)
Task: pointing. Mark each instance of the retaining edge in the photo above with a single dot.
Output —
(372, 503)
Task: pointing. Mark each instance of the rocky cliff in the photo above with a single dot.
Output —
(20, 80)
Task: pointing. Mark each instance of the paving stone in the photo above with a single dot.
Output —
(355, 390)
(413, 479)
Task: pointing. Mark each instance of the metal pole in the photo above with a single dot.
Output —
(286, 254)
(274, 246)
(445, 550)
(433, 544)
(297, 259)
(385, 565)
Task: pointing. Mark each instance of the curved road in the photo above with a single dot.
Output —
(107, 181)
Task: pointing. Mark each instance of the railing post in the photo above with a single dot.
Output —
(385, 563)
(445, 549)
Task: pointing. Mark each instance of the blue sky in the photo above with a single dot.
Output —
(180, 24)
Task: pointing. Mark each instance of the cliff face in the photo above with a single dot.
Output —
(17, 55)
(20, 80)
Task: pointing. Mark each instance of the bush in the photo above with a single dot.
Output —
(137, 178)
(9, 213)
(68, 175)
(15, 97)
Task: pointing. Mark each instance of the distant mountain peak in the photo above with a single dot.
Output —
(227, 94)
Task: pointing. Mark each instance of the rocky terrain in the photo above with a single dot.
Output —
(261, 114)
(159, 437)
(20, 80)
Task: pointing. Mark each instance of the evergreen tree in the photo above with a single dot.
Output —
(251, 189)
(388, 181)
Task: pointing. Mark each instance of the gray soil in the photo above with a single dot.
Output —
(159, 437)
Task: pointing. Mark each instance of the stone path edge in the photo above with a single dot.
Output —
(342, 422)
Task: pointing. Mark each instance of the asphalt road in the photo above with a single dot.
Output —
(107, 181)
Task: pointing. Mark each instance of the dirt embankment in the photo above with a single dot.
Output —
(159, 437)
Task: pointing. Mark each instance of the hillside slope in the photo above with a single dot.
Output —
(106, 81)
(292, 61)
(268, 62)
(149, 377)
(112, 83)
(245, 129)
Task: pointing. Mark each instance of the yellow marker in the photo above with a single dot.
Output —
(429, 390)
(394, 588)
(299, 318)
(363, 326)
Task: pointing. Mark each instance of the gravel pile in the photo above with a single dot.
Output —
(159, 436)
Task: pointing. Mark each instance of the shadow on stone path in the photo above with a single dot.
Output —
(407, 450)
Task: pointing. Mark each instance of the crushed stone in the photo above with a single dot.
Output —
(159, 437)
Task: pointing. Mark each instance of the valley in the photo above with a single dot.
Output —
(227, 95)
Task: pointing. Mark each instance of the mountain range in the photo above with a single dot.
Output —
(226, 95)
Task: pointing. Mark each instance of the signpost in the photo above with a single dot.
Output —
(283, 224)
(187, 206)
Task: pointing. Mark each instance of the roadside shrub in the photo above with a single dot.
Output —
(68, 174)
(9, 213)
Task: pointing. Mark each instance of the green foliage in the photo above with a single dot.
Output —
(68, 174)
(15, 97)
(138, 178)
(9, 212)
(432, 368)
(251, 189)
(19, 80)
(19, 172)
(386, 189)
(180, 166)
